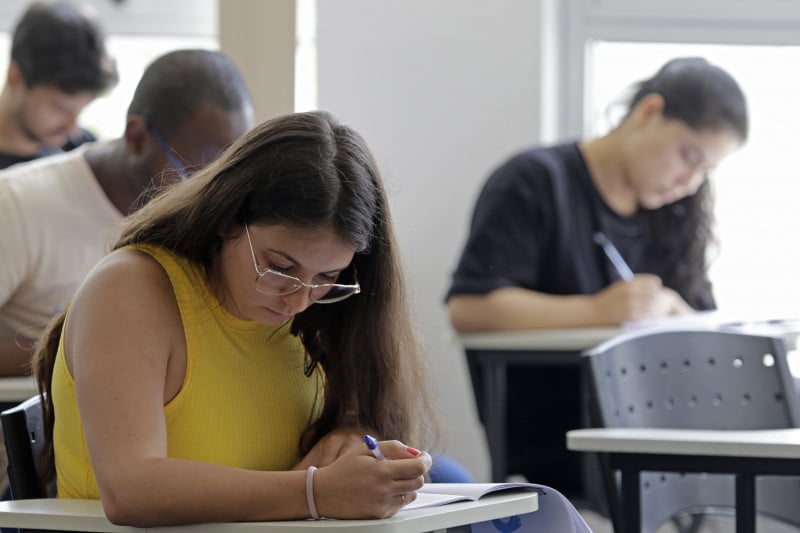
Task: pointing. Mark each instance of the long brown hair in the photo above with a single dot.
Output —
(304, 170)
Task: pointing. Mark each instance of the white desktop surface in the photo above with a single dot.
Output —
(87, 515)
(579, 339)
(548, 339)
(782, 443)
(17, 389)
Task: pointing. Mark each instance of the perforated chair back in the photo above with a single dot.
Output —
(23, 432)
(696, 379)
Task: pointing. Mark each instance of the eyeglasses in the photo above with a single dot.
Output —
(173, 159)
(273, 283)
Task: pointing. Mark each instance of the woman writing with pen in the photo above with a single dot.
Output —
(532, 260)
(607, 230)
(225, 360)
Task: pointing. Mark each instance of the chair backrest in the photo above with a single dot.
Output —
(696, 379)
(23, 432)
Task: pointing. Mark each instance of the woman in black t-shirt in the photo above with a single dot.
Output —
(532, 262)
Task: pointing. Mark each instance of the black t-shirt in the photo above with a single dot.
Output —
(533, 227)
(82, 136)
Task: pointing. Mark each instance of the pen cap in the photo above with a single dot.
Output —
(371, 442)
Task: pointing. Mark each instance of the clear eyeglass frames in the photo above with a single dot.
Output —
(273, 283)
(172, 157)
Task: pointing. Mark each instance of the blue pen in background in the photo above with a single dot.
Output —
(372, 445)
(613, 255)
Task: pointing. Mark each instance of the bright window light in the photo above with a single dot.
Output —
(756, 269)
(105, 117)
(305, 71)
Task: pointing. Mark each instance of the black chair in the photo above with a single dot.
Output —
(23, 432)
(694, 379)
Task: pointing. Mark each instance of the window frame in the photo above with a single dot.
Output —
(742, 22)
(198, 18)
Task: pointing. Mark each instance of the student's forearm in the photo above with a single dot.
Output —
(519, 309)
(173, 491)
(15, 357)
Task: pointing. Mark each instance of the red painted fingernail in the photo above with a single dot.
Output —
(412, 451)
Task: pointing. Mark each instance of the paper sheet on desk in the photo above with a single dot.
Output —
(720, 319)
(556, 514)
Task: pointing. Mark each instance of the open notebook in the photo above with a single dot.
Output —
(555, 513)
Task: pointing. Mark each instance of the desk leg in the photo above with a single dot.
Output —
(494, 394)
(745, 503)
(631, 501)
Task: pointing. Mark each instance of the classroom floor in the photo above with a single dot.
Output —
(599, 524)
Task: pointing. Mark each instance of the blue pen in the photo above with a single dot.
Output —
(372, 444)
(613, 255)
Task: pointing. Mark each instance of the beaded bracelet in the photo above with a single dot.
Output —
(312, 506)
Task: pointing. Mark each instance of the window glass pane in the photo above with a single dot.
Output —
(755, 269)
(105, 117)
(305, 73)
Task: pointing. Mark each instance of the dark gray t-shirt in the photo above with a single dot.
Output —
(82, 136)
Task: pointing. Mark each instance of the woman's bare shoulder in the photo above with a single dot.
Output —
(126, 283)
(124, 312)
(126, 270)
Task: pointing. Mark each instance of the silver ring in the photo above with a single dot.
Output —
(403, 499)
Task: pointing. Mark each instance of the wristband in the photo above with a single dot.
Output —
(312, 506)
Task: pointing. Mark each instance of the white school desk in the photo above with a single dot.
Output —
(745, 453)
(489, 356)
(87, 515)
(17, 389)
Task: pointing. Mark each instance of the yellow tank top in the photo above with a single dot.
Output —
(244, 400)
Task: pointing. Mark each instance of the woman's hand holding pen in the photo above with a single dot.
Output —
(643, 297)
(637, 296)
(357, 485)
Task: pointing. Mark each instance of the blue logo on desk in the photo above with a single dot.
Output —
(504, 525)
(507, 525)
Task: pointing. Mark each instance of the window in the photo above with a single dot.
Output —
(105, 117)
(137, 32)
(755, 268)
(757, 189)
(305, 80)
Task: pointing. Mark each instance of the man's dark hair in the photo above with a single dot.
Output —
(60, 44)
(177, 84)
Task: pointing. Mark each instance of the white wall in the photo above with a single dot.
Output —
(442, 91)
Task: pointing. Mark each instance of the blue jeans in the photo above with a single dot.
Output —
(447, 470)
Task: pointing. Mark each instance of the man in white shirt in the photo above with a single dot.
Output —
(60, 214)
